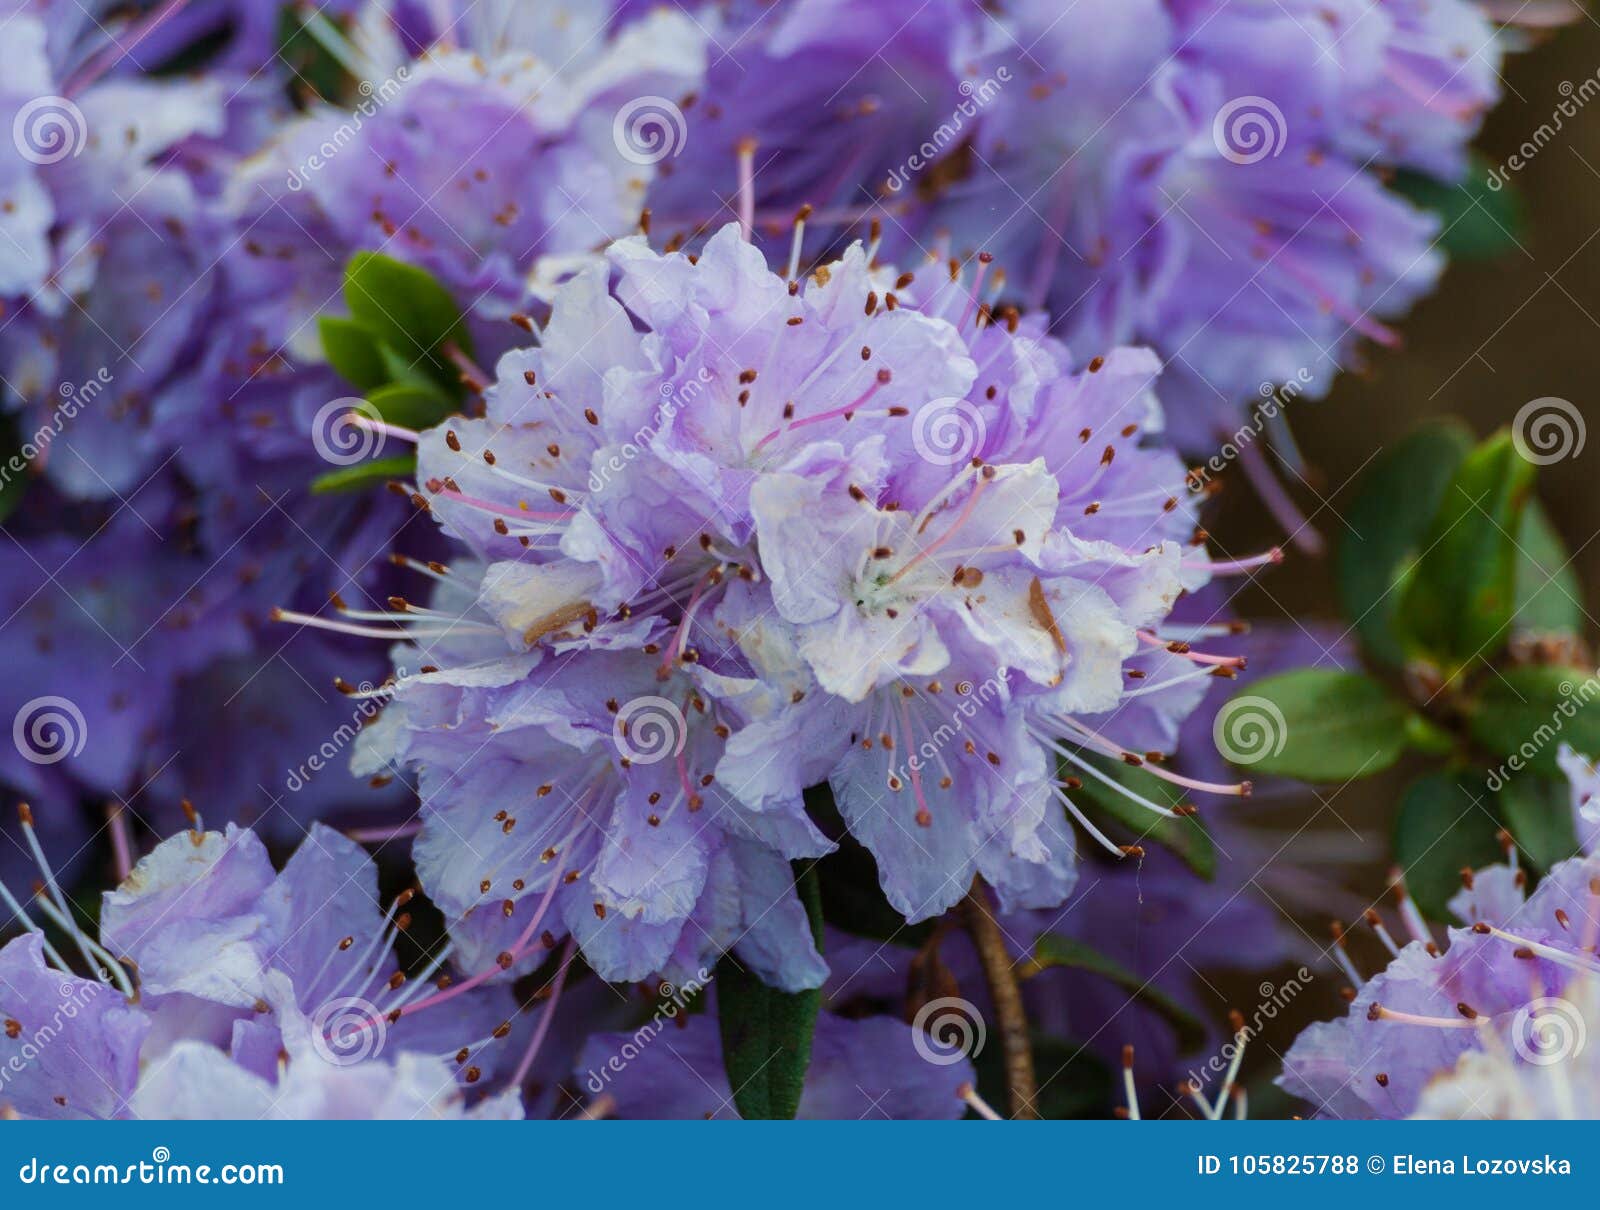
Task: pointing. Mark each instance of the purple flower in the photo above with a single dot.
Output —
(1492, 1026)
(852, 529)
(254, 988)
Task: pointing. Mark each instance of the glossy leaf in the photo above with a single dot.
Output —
(1523, 715)
(1395, 499)
(1314, 724)
(410, 312)
(1444, 825)
(1549, 597)
(1458, 604)
(353, 352)
(1537, 811)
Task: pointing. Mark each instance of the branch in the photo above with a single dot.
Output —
(1016, 1045)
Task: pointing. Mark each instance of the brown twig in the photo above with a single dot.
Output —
(1021, 1084)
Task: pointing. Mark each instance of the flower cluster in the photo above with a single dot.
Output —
(868, 534)
(760, 557)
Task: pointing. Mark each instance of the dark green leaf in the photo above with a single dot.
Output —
(1537, 811)
(1316, 724)
(1185, 836)
(1054, 950)
(1524, 715)
(365, 474)
(1477, 222)
(1458, 604)
(353, 352)
(1549, 597)
(1395, 499)
(1444, 827)
(408, 310)
(766, 1033)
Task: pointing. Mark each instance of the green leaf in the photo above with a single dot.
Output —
(1524, 715)
(410, 406)
(1395, 499)
(1476, 221)
(1186, 836)
(365, 474)
(1053, 950)
(1444, 826)
(1458, 604)
(1315, 724)
(766, 1033)
(1549, 597)
(353, 352)
(1537, 811)
(409, 311)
